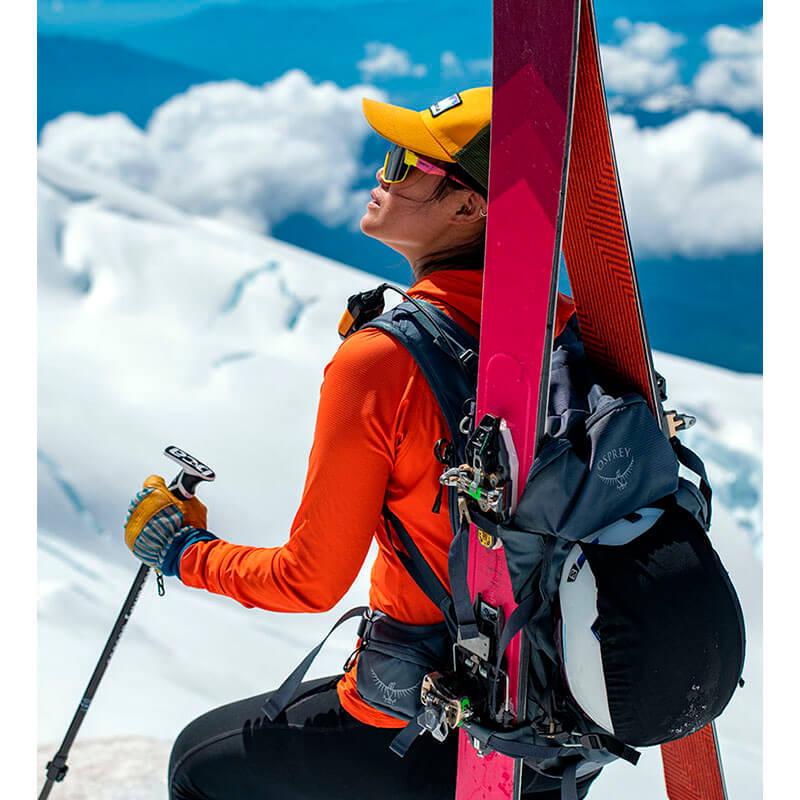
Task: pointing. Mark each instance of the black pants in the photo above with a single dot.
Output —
(314, 751)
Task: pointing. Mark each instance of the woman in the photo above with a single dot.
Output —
(376, 426)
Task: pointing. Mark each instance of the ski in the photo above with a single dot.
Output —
(602, 275)
(533, 84)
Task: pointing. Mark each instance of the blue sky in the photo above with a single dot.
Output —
(250, 112)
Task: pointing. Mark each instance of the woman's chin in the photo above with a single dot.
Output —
(369, 224)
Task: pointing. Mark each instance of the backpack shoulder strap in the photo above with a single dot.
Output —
(445, 353)
(448, 358)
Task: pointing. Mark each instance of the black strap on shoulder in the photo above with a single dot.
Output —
(450, 366)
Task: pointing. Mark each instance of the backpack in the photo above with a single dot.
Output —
(633, 633)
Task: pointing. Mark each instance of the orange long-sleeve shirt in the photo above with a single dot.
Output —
(376, 426)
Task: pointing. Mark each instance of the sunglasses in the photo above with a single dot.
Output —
(399, 161)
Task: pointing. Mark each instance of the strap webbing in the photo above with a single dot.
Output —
(692, 461)
(406, 738)
(520, 743)
(515, 743)
(515, 623)
(445, 367)
(569, 782)
(447, 371)
(457, 564)
(285, 693)
(419, 569)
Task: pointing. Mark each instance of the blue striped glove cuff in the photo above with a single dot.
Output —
(186, 538)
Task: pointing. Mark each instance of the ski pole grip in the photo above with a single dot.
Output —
(193, 471)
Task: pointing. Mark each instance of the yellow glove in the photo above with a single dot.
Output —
(156, 517)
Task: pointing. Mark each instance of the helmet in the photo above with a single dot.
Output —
(652, 638)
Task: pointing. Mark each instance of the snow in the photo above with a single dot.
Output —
(159, 327)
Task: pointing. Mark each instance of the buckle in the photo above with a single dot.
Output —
(678, 422)
(364, 626)
(592, 741)
(469, 358)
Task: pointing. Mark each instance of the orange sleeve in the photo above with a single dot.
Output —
(349, 466)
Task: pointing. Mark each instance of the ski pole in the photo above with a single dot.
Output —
(183, 486)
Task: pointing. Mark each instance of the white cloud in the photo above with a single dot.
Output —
(647, 39)
(480, 65)
(642, 63)
(724, 40)
(251, 155)
(643, 68)
(450, 65)
(693, 186)
(384, 60)
(110, 144)
(733, 77)
(670, 97)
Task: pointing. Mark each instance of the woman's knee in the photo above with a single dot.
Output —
(186, 755)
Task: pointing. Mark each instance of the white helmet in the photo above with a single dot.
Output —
(652, 637)
(581, 653)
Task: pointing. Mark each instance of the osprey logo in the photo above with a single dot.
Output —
(617, 464)
(389, 691)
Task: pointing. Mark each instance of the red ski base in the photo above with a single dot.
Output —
(691, 769)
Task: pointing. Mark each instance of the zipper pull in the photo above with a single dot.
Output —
(160, 583)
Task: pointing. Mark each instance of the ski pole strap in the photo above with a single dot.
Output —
(406, 738)
(419, 569)
(284, 694)
(692, 461)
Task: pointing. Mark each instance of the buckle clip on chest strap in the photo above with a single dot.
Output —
(282, 697)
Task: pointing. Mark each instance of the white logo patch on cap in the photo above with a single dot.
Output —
(445, 105)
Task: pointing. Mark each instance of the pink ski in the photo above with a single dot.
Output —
(534, 75)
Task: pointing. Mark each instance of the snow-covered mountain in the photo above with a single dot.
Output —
(157, 327)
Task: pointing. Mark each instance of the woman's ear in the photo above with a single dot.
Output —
(472, 209)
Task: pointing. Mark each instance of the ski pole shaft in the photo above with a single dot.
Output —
(57, 768)
(183, 486)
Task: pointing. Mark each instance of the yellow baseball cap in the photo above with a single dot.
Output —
(455, 129)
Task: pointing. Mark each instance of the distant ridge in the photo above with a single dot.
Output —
(76, 74)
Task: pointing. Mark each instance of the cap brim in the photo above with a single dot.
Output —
(404, 127)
